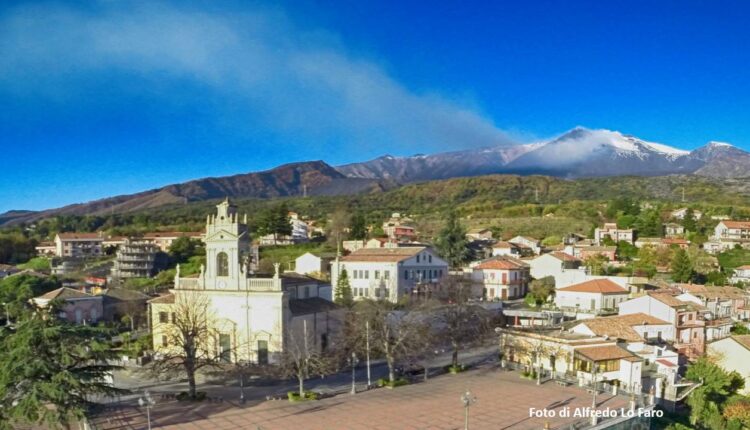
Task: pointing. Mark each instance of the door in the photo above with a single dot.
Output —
(225, 348)
(262, 352)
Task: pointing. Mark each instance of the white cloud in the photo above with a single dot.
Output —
(294, 81)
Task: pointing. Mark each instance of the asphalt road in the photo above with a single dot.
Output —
(260, 390)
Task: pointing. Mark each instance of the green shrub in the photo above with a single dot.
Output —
(294, 396)
(455, 369)
(383, 382)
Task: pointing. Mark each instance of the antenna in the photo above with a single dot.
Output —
(683, 194)
(304, 190)
(536, 194)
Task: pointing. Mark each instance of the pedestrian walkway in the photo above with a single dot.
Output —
(503, 402)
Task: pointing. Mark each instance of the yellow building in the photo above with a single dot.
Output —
(252, 318)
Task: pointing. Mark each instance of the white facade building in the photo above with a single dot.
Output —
(593, 297)
(391, 273)
(255, 317)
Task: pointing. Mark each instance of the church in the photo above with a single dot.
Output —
(253, 317)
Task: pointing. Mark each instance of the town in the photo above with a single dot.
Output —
(219, 314)
(389, 215)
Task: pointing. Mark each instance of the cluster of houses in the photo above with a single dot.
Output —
(632, 333)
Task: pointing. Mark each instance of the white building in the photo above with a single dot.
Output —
(535, 245)
(731, 233)
(78, 245)
(591, 297)
(254, 317)
(502, 278)
(684, 315)
(508, 249)
(300, 231)
(680, 214)
(552, 264)
(733, 354)
(741, 274)
(391, 273)
(616, 234)
(631, 328)
(311, 264)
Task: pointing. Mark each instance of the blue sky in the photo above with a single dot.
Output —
(113, 97)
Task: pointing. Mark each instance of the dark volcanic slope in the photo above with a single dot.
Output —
(314, 177)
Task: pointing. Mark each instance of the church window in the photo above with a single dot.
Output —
(222, 264)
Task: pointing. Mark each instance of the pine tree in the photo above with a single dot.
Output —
(451, 241)
(358, 229)
(47, 362)
(343, 295)
(682, 267)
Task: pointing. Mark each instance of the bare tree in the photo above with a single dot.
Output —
(398, 333)
(463, 322)
(191, 342)
(301, 359)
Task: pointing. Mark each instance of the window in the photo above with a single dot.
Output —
(225, 348)
(222, 264)
(367, 274)
(174, 317)
(386, 274)
(429, 258)
(163, 317)
(324, 342)
(417, 258)
(406, 274)
(307, 292)
(377, 274)
(164, 341)
(262, 352)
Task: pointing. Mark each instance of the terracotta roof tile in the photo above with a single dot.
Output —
(602, 286)
(563, 256)
(621, 326)
(602, 353)
(384, 254)
(737, 224)
(502, 263)
(166, 298)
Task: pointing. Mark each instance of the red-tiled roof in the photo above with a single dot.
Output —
(664, 362)
(602, 286)
(167, 298)
(563, 256)
(384, 254)
(603, 353)
(736, 224)
(621, 326)
(64, 293)
(502, 263)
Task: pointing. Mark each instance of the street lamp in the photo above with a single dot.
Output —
(468, 398)
(242, 388)
(353, 361)
(501, 344)
(147, 402)
(367, 337)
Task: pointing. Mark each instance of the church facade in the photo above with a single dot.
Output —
(253, 317)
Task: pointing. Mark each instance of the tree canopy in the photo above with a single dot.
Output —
(50, 370)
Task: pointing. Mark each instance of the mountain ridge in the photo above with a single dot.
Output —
(580, 152)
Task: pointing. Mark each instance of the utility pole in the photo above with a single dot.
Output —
(367, 340)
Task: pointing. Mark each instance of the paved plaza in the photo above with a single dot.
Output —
(503, 402)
